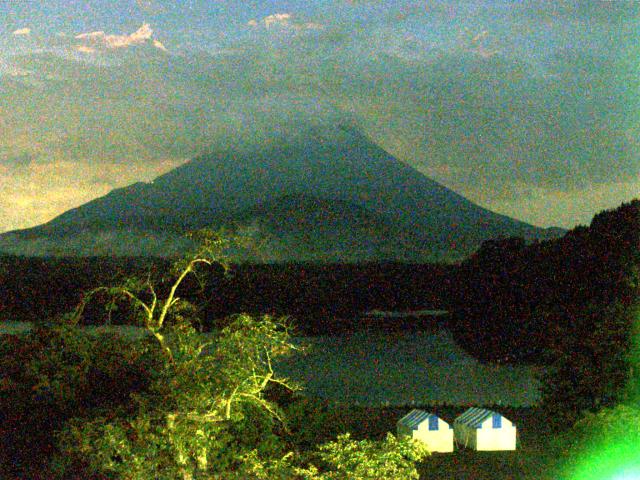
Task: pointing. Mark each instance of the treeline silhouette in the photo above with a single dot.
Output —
(37, 289)
(321, 298)
(571, 304)
(331, 298)
(519, 301)
(510, 300)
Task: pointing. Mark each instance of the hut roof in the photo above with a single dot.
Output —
(415, 418)
(475, 416)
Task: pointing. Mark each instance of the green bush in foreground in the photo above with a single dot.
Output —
(200, 414)
(592, 365)
(205, 413)
(205, 416)
(343, 459)
(56, 373)
(602, 445)
(346, 459)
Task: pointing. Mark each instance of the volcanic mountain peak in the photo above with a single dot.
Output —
(315, 186)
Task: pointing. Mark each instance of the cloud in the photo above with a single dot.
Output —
(84, 49)
(281, 19)
(549, 207)
(22, 32)
(308, 26)
(20, 160)
(91, 41)
(590, 13)
(24, 189)
(12, 71)
(284, 21)
(150, 6)
(479, 37)
(138, 37)
(481, 44)
(158, 44)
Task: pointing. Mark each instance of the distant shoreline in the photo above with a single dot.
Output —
(405, 314)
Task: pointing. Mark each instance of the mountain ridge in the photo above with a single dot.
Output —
(336, 170)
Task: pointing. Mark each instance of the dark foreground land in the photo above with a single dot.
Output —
(531, 460)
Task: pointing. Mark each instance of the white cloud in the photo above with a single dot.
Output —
(93, 36)
(22, 31)
(281, 19)
(84, 49)
(284, 21)
(158, 44)
(141, 35)
(99, 39)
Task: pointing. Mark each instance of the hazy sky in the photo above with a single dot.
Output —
(531, 109)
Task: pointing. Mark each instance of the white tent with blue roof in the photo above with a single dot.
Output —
(427, 427)
(482, 429)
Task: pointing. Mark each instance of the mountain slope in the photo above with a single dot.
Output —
(359, 187)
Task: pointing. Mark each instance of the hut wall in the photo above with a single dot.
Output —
(436, 440)
(496, 438)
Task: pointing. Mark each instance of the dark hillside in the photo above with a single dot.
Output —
(571, 303)
(361, 204)
(511, 297)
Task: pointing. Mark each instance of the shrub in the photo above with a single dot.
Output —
(201, 413)
(342, 459)
(55, 373)
(601, 444)
(592, 365)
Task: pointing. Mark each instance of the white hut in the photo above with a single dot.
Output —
(434, 432)
(482, 429)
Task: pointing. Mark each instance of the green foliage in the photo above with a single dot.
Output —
(205, 405)
(313, 421)
(176, 404)
(347, 459)
(55, 373)
(591, 365)
(200, 414)
(342, 459)
(529, 296)
(600, 444)
(620, 423)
